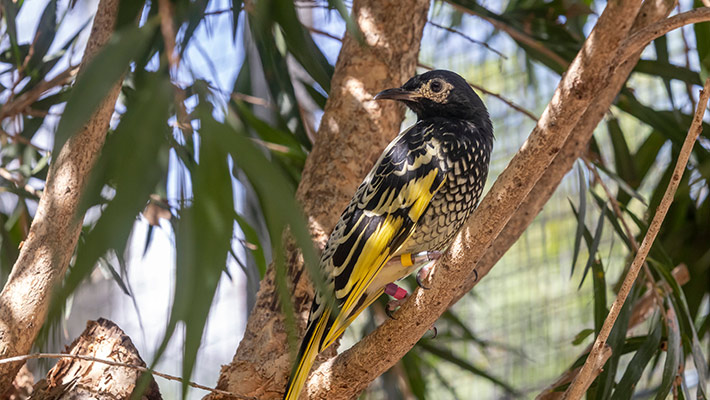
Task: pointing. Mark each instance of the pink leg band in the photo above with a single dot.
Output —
(395, 291)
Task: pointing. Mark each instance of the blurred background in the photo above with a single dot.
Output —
(521, 327)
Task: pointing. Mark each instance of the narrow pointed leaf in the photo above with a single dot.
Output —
(100, 75)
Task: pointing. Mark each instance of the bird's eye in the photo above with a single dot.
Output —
(436, 86)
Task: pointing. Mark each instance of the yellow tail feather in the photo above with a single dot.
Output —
(310, 347)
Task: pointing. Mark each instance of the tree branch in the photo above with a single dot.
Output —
(353, 370)
(45, 255)
(589, 370)
(639, 40)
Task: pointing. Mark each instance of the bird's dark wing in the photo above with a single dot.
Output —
(381, 216)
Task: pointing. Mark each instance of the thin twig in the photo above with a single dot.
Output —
(686, 53)
(590, 368)
(20, 103)
(323, 33)
(7, 175)
(21, 139)
(640, 39)
(257, 101)
(632, 240)
(511, 104)
(119, 364)
(167, 29)
(470, 39)
(516, 35)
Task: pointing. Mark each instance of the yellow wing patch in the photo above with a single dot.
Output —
(377, 251)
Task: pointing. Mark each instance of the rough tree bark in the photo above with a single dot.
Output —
(353, 132)
(45, 254)
(84, 380)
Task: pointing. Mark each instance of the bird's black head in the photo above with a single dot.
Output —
(438, 93)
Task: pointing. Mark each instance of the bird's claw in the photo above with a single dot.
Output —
(422, 275)
(392, 306)
(435, 331)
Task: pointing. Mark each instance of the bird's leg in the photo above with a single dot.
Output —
(406, 261)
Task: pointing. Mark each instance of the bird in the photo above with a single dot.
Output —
(407, 210)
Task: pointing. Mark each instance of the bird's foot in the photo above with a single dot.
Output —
(423, 274)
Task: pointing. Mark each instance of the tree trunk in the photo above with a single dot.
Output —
(74, 379)
(353, 132)
(45, 254)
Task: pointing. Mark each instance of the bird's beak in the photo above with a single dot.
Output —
(397, 94)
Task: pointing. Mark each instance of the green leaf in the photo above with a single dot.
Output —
(141, 133)
(275, 70)
(624, 162)
(600, 310)
(44, 36)
(686, 324)
(667, 70)
(647, 153)
(106, 68)
(195, 16)
(579, 338)
(277, 200)
(593, 245)
(616, 340)
(288, 146)
(10, 9)
(251, 236)
(580, 216)
(203, 240)
(622, 183)
(661, 46)
(452, 358)
(634, 370)
(299, 41)
(613, 220)
(702, 43)
(412, 365)
(673, 354)
(672, 125)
